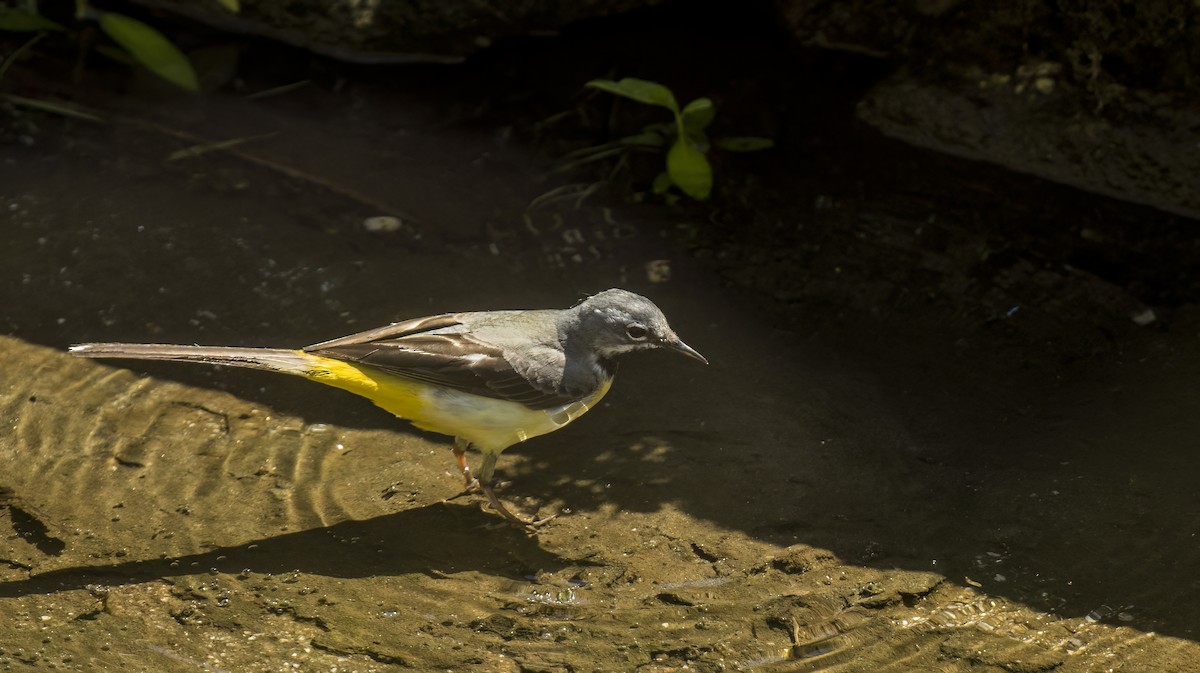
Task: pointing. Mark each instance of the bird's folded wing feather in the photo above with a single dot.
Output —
(392, 331)
(459, 361)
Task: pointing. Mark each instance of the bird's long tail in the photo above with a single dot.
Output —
(272, 359)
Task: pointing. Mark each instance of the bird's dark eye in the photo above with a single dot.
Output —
(636, 332)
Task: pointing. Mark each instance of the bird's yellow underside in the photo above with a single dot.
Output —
(490, 424)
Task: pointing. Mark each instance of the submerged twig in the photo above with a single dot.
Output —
(54, 107)
(197, 150)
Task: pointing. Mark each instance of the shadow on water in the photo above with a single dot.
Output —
(388, 545)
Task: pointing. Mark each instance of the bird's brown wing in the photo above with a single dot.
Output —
(460, 361)
(392, 331)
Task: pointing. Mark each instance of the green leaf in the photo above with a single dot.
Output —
(745, 144)
(234, 6)
(116, 54)
(151, 49)
(689, 169)
(18, 21)
(662, 182)
(640, 90)
(697, 115)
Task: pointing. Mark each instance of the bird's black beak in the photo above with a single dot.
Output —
(679, 347)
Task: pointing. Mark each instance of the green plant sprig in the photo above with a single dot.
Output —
(143, 43)
(687, 167)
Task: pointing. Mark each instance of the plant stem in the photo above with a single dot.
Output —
(12, 58)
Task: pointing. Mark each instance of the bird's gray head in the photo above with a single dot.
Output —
(615, 322)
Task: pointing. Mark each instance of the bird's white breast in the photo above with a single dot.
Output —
(495, 424)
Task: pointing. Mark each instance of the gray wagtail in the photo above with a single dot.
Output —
(490, 379)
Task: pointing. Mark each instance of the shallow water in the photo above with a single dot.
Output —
(860, 495)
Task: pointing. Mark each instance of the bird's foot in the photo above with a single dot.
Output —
(494, 502)
(471, 487)
(497, 506)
